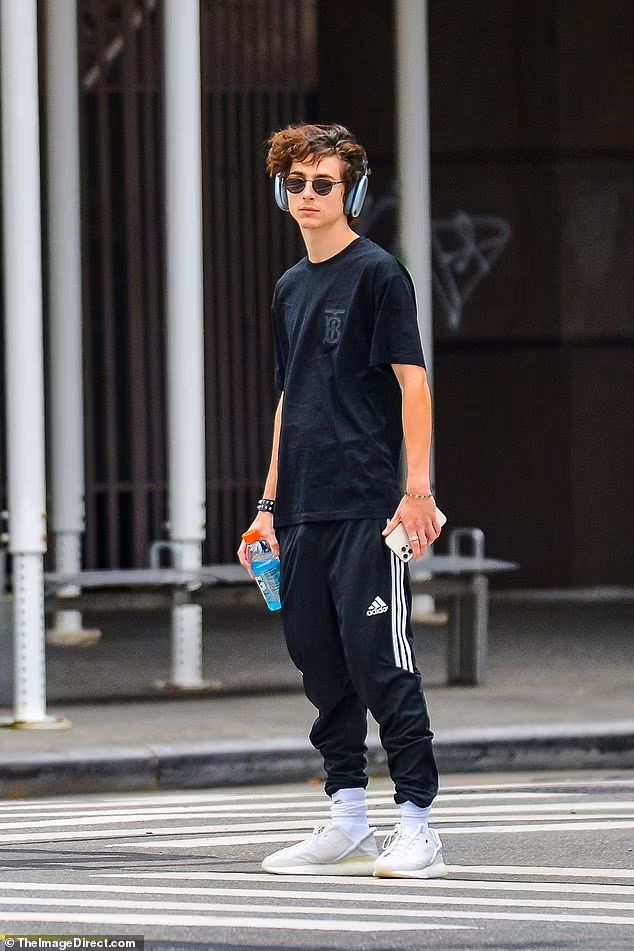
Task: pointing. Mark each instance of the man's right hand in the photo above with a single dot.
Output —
(263, 523)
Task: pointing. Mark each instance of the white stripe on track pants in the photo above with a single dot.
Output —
(346, 607)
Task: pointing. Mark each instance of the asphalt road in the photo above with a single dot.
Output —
(537, 862)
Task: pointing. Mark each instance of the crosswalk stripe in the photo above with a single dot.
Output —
(554, 871)
(167, 802)
(528, 789)
(468, 814)
(218, 837)
(255, 838)
(547, 784)
(211, 921)
(333, 910)
(397, 883)
(247, 838)
(507, 826)
(251, 831)
(313, 896)
(246, 803)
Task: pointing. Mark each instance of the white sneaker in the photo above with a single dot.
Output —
(417, 855)
(328, 851)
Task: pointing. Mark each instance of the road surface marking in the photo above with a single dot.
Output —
(333, 910)
(273, 837)
(399, 883)
(555, 871)
(219, 838)
(211, 921)
(468, 814)
(312, 896)
(170, 802)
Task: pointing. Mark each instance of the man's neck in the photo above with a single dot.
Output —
(322, 244)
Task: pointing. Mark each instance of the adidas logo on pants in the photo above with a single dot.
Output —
(378, 606)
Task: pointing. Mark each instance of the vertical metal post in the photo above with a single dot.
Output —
(414, 194)
(23, 348)
(64, 257)
(413, 159)
(185, 355)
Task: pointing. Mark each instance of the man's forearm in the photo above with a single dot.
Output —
(270, 487)
(417, 430)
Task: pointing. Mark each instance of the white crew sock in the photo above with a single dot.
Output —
(413, 816)
(349, 811)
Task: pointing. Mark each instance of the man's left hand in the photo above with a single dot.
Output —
(419, 518)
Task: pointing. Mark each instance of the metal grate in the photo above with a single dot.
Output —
(258, 73)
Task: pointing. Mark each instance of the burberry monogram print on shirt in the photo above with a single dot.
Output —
(334, 318)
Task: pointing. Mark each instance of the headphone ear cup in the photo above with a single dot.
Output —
(281, 198)
(356, 197)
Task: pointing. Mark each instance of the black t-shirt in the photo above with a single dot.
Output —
(338, 325)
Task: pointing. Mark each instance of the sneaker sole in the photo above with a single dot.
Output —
(346, 867)
(437, 870)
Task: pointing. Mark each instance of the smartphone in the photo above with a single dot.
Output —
(400, 544)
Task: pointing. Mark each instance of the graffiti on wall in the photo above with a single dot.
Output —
(465, 247)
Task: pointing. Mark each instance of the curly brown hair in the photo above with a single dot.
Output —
(306, 142)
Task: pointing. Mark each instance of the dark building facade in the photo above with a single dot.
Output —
(531, 123)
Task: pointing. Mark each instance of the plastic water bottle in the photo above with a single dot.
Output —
(265, 567)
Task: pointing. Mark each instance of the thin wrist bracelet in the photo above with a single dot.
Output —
(266, 505)
(413, 496)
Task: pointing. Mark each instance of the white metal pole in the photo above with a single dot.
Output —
(413, 159)
(23, 348)
(414, 178)
(185, 355)
(64, 257)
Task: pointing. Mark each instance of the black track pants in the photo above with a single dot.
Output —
(346, 605)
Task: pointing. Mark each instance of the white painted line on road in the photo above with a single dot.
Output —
(332, 910)
(600, 825)
(380, 897)
(169, 802)
(211, 921)
(538, 807)
(318, 811)
(123, 799)
(531, 789)
(259, 837)
(572, 816)
(387, 883)
(107, 818)
(534, 824)
(546, 784)
(34, 809)
(556, 872)
(527, 790)
(500, 813)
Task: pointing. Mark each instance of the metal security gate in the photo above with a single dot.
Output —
(122, 280)
(259, 72)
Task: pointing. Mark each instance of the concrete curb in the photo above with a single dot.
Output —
(284, 760)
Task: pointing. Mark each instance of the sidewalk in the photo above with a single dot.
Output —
(559, 694)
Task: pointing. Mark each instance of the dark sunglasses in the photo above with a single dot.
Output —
(321, 186)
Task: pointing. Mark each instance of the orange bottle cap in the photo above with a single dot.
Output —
(251, 536)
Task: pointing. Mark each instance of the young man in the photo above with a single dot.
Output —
(350, 369)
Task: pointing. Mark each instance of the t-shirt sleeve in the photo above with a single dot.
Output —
(278, 343)
(396, 336)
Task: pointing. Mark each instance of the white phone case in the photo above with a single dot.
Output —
(400, 544)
